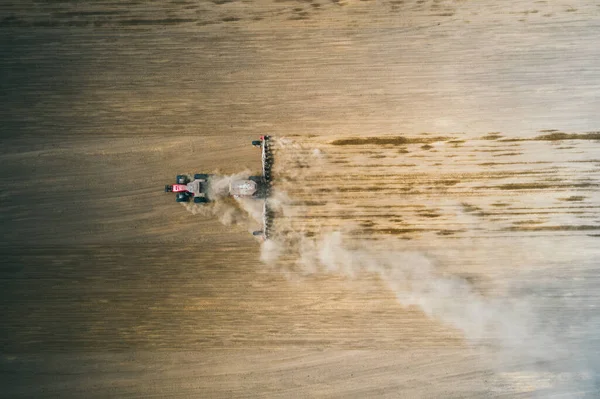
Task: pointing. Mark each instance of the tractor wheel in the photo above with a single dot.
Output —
(182, 179)
(257, 143)
(203, 176)
(200, 200)
(182, 197)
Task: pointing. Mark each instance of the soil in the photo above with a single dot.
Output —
(427, 132)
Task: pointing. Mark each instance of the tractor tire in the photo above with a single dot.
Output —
(200, 200)
(182, 179)
(256, 143)
(202, 176)
(182, 198)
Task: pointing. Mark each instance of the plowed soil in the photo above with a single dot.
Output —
(437, 167)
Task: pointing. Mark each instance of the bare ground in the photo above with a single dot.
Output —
(462, 132)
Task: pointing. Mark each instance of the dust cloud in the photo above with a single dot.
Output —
(512, 332)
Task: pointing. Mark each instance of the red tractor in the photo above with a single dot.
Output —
(257, 187)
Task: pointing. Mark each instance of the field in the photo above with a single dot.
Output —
(436, 177)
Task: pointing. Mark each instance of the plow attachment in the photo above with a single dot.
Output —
(267, 165)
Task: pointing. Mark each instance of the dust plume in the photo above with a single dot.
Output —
(509, 330)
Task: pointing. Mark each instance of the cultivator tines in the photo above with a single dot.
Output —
(268, 218)
(267, 166)
(267, 158)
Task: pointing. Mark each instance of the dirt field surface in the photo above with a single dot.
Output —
(436, 193)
